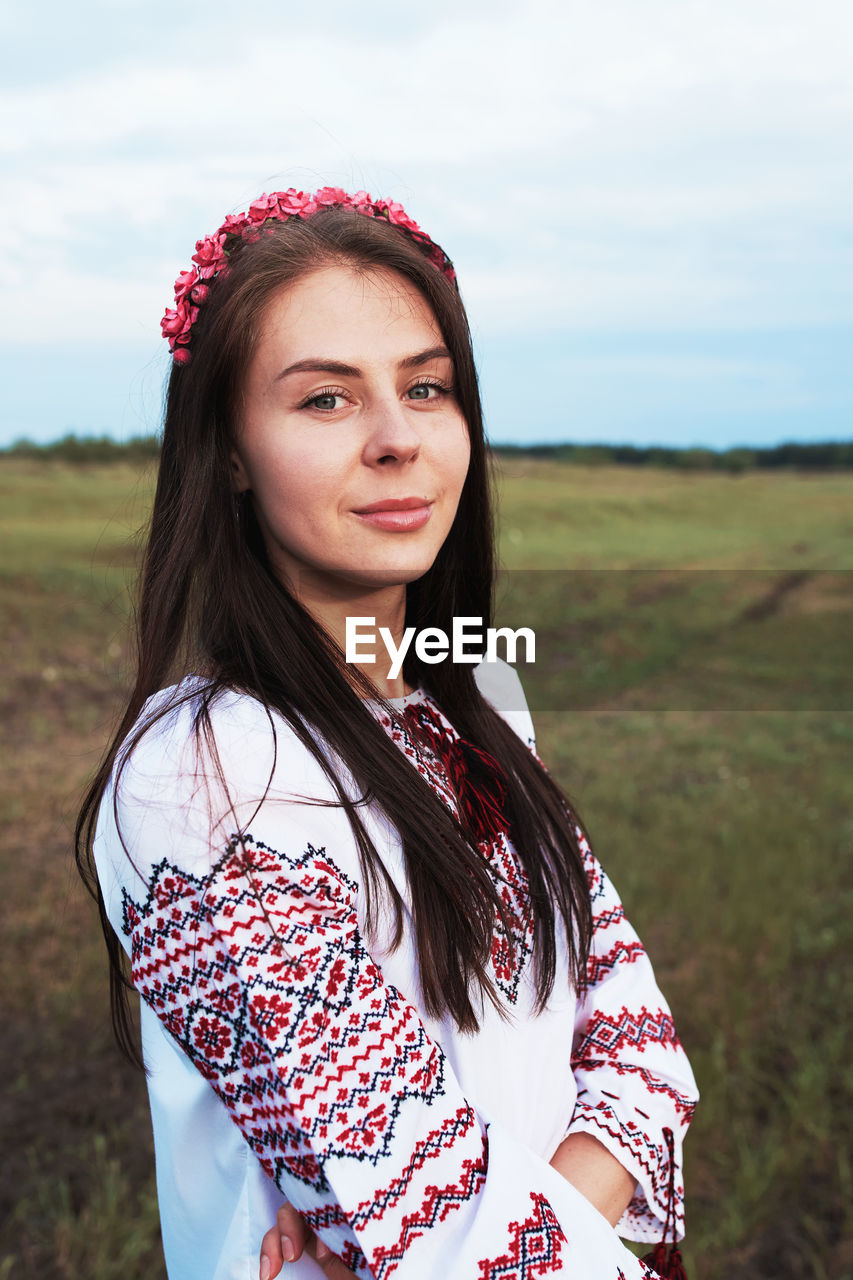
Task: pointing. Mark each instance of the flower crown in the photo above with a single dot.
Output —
(211, 255)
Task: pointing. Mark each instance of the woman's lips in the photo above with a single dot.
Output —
(396, 517)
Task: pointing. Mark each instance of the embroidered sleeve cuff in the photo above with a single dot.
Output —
(646, 1157)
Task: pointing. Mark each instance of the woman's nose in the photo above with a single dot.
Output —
(393, 434)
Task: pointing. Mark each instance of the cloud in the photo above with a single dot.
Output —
(595, 162)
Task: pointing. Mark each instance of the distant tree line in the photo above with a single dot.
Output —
(818, 456)
(86, 449)
(825, 455)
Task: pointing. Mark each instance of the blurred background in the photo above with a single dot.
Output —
(649, 210)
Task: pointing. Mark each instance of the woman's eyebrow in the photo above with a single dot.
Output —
(423, 357)
(319, 364)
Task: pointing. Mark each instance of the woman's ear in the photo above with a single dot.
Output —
(239, 479)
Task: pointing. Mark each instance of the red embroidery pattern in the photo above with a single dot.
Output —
(307, 1056)
(455, 1128)
(314, 1057)
(596, 878)
(611, 915)
(535, 1248)
(511, 951)
(684, 1106)
(636, 1027)
(652, 1158)
(445, 760)
(611, 1043)
(438, 1202)
(621, 953)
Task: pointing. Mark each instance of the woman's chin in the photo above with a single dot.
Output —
(379, 578)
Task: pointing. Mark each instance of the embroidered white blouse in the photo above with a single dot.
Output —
(288, 1061)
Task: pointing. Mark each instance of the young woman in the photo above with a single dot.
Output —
(383, 977)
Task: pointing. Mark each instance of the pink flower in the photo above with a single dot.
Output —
(234, 224)
(169, 325)
(190, 317)
(176, 324)
(184, 283)
(199, 293)
(293, 201)
(209, 253)
(181, 355)
(397, 214)
(262, 208)
(331, 195)
(439, 259)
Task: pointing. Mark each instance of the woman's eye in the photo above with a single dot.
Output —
(426, 391)
(325, 401)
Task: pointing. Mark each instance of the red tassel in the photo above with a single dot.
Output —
(665, 1260)
(475, 775)
(482, 801)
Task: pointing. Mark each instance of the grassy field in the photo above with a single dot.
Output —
(693, 694)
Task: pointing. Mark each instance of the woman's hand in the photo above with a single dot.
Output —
(289, 1239)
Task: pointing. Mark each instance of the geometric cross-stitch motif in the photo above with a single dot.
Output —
(535, 1248)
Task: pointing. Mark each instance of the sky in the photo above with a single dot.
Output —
(648, 202)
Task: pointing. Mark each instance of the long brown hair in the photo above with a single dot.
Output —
(209, 602)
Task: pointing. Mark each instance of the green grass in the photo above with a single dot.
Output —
(561, 517)
(112, 1233)
(692, 693)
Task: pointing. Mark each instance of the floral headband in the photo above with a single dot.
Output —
(211, 255)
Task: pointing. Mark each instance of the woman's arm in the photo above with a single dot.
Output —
(588, 1165)
(350, 1108)
(580, 1159)
(636, 1091)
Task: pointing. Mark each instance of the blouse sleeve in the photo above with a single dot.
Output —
(249, 952)
(636, 1091)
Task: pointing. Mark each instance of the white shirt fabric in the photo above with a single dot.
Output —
(287, 1061)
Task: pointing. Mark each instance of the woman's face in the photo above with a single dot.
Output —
(351, 441)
